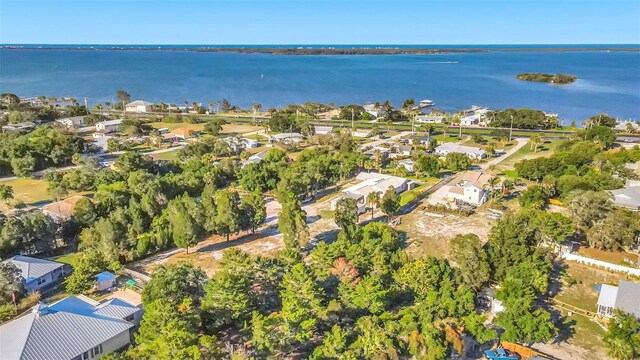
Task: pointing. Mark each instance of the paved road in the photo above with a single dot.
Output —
(382, 141)
(520, 143)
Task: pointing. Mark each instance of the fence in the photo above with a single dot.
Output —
(601, 264)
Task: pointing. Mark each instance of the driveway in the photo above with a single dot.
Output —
(382, 141)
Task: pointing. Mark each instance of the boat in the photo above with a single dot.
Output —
(426, 103)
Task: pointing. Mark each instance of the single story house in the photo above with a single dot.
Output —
(625, 125)
(623, 297)
(374, 111)
(25, 125)
(430, 119)
(256, 158)
(372, 182)
(287, 138)
(471, 151)
(105, 280)
(400, 150)
(185, 133)
(627, 197)
(39, 274)
(75, 121)
(471, 189)
(471, 120)
(322, 130)
(108, 125)
(76, 328)
(63, 209)
(407, 164)
(138, 106)
(421, 139)
(361, 133)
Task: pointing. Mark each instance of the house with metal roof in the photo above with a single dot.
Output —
(76, 328)
(108, 126)
(622, 297)
(138, 106)
(74, 121)
(430, 119)
(39, 274)
(372, 182)
(471, 151)
(627, 197)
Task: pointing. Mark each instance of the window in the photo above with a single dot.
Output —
(85, 356)
(96, 350)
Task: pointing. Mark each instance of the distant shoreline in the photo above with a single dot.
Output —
(324, 50)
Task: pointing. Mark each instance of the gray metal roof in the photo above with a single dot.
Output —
(33, 268)
(63, 330)
(628, 297)
(627, 197)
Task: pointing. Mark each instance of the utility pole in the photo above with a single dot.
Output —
(352, 118)
(85, 102)
(511, 129)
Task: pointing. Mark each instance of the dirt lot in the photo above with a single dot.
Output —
(430, 235)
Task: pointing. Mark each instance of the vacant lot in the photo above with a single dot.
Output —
(527, 152)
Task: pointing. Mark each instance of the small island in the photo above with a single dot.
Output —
(548, 78)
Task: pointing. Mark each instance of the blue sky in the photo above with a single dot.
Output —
(320, 22)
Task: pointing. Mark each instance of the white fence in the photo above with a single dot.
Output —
(601, 264)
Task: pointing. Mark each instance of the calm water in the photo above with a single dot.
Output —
(608, 81)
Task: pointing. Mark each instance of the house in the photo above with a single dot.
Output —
(487, 296)
(407, 164)
(430, 119)
(105, 281)
(421, 139)
(108, 125)
(75, 121)
(471, 151)
(322, 130)
(627, 197)
(627, 125)
(471, 120)
(185, 133)
(287, 138)
(361, 133)
(256, 158)
(372, 182)
(138, 106)
(25, 125)
(622, 297)
(238, 144)
(39, 274)
(374, 111)
(472, 189)
(76, 328)
(400, 150)
(63, 209)
(250, 143)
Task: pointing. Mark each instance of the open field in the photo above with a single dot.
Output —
(526, 152)
(169, 155)
(33, 191)
(614, 257)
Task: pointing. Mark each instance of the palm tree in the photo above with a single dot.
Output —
(186, 105)
(373, 200)
(535, 141)
(6, 193)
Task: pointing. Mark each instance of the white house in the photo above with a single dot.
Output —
(138, 106)
(627, 197)
(399, 150)
(471, 120)
(625, 125)
(75, 121)
(472, 189)
(105, 280)
(372, 182)
(471, 151)
(430, 119)
(76, 328)
(256, 158)
(38, 274)
(108, 125)
(374, 110)
(250, 143)
(407, 164)
(361, 133)
(287, 138)
(623, 297)
(322, 130)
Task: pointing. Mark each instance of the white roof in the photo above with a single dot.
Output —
(110, 122)
(139, 103)
(374, 182)
(32, 268)
(452, 147)
(608, 295)
(64, 329)
(284, 136)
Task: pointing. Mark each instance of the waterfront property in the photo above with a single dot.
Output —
(69, 122)
(38, 274)
(76, 328)
(472, 152)
(372, 182)
(430, 119)
(472, 189)
(287, 138)
(374, 111)
(623, 297)
(138, 106)
(629, 196)
(108, 126)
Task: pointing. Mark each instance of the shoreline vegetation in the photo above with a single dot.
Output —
(559, 79)
(284, 50)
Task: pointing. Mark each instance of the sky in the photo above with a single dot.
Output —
(320, 22)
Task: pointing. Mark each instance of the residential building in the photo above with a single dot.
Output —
(629, 196)
(374, 111)
(256, 158)
(63, 209)
(322, 130)
(105, 281)
(25, 125)
(430, 119)
(108, 126)
(472, 189)
(39, 274)
(287, 138)
(76, 328)
(471, 120)
(407, 164)
(372, 182)
(361, 133)
(626, 125)
(75, 121)
(138, 106)
(471, 151)
(399, 150)
(185, 133)
(623, 297)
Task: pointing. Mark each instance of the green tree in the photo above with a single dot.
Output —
(373, 200)
(174, 283)
(429, 165)
(11, 283)
(254, 210)
(622, 338)
(601, 134)
(588, 207)
(390, 203)
(123, 96)
(457, 161)
(616, 230)
(6, 193)
(534, 197)
(292, 223)
(84, 212)
(467, 253)
(346, 213)
(228, 217)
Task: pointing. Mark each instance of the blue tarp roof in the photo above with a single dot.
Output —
(105, 276)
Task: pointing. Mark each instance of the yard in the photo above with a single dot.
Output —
(527, 152)
(31, 191)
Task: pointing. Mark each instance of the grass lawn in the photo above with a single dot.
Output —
(614, 257)
(29, 191)
(173, 126)
(168, 156)
(408, 196)
(526, 152)
(582, 294)
(256, 137)
(326, 214)
(587, 333)
(239, 128)
(68, 258)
